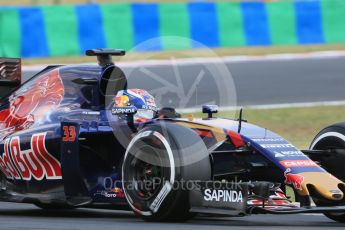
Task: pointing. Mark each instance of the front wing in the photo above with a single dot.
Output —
(231, 199)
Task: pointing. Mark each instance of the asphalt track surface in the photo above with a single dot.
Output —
(255, 82)
(23, 216)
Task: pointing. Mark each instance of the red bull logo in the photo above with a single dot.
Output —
(121, 101)
(34, 163)
(119, 192)
(293, 179)
(116, 190)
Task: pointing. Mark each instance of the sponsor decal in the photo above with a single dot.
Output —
(278, 154)
(34, 163)
(288, 153)
(293, 179)
(156, 204)
(105, 194)
(124, 110)
(113, 193)
(298, 163)
(91, 113)
(269, 140)
(153, 108)
(223, 196)
(272, 146)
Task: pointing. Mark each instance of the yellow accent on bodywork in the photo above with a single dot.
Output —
(324, 183)
(218, 133)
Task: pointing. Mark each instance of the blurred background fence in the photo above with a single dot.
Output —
(68, 30)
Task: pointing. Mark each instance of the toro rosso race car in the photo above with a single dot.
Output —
(75, 136)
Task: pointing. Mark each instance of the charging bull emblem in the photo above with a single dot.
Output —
(32, 103)
(293, 179)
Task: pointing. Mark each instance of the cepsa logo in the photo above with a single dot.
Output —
(36, 162)
(298, 163)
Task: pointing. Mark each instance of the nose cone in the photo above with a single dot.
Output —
(324, 184)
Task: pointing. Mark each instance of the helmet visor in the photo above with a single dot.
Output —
(145, 113)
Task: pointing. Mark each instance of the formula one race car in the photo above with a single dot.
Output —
(75, 136)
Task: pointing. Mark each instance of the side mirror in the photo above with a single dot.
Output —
(168, 112)
(210, 110)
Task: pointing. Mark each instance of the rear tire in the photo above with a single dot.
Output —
(163, 154)
(332, 137)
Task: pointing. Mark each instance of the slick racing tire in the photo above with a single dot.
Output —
(332, 137)
(159, 163)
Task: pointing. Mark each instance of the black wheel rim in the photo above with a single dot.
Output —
(146, 178)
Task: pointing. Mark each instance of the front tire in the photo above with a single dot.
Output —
(160, 160)
(332, 137)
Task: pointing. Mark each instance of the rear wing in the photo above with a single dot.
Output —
(10, 75)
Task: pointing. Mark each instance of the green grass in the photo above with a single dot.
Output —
(297, 125)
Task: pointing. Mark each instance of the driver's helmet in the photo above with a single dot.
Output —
(143, 102)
